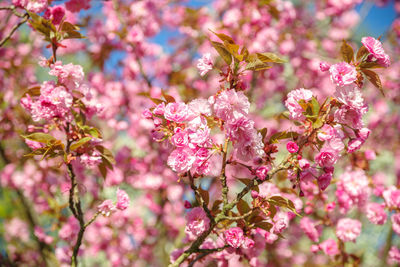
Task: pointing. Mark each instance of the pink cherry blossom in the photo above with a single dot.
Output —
(197, 222)
(343, 73)
(122, 200)
(330, 247)
(262, 172)
(292, 102)
(375, 48)
(177, 112)
(348, 229)
(181, 159)
(375, 213)
(292, 147)
(106, 208)
(205, 64)
(234, 237)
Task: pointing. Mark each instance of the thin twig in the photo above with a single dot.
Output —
(5, 39)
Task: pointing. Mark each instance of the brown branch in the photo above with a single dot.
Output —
(205, 252)
(200, 198)
(5, 39)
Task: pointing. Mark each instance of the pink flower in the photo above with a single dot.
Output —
(350, 96)
(349, 116)
(292, 102)
(41, 235)
(205, 64)
(375, 213)
(262, 172)
(247, 150)
(55, 13)
(375, 48)
(122, 200)
(309, 228)
(279, 225)
(329, 247)
(324, 180)
(177, 112)
(343, 73)
(91, 159)
(248, 243)
(229, 102)
(354, 145)
(181, 159)
(71, 76)
(392, 197)
(396, 223)
(394, 255)
(348, 229)
(180, 138)
(77, 5)
(197, 222)
(327, 132)
(326, 157)
(234, 237)
(159, 109)
(33, 144)
(323, 66)
(292, 147)
(106, 208)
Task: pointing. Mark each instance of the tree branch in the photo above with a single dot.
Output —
(5, 39)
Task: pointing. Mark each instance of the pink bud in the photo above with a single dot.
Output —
(187, 204)
(323, 66)
(254, 194)
(292, 147)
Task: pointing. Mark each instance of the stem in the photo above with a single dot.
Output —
(205, 252)
(200, 198)
(5, 39)
(222, 177)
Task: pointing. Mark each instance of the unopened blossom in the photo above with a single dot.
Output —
(292, 147)
(234, 237)
(323, 66)
(348, 229)
(205, 64)
(354, 145)
(122, 200)
(324, 180)
(106, 208)
(33, 144)
(77, 5)
(309, 228)
(330, 247)
(248, 243)
(55, 13)
(197, 222)
(343, 73)
(292, 102)
(181, 159)
(375, 213)
(374, 46)
(177, 112)
(229, 102)
(262, 172)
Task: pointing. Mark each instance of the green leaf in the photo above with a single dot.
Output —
(370, 65)
(347, 52)
(170, 99)
(106, 154)
(314, 106)
(282, 135)
(224, 37)
(264, 225)
(39, 137)
(66, 26)
(362, 52)
(205, 195)
(374, 79)
(80, 143)
(270, 57)
(103, 170)
(243, 207)
(263, 132)
(283, 202)
(222, 51)
(256, 65)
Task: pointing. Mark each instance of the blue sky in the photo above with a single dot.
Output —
(375, 22)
